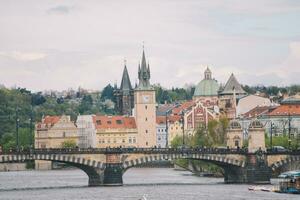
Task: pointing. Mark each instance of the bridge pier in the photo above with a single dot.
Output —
(256, 171)
(113, 174)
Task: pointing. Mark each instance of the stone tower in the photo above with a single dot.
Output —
(234, 136)
(124, 95)
(256, 137)
(145, 107)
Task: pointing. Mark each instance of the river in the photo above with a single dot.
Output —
(156, 183)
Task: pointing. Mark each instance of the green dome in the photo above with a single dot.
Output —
(207, 87)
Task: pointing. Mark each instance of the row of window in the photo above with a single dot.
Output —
(115, 141)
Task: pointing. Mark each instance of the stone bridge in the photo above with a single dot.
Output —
(107, 166)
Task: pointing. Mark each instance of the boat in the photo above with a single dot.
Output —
(260, 188)
(290, 183)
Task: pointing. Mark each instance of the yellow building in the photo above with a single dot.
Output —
(115, 131)
(52, 132)
(175, 127)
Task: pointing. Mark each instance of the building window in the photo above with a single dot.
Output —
(159, 139)
(123, 140)
(146, 131)
(108, 122)
(146, 143)
(146, 119)
(146, 107)
(119, 121)
(98, 122)
(115, 141)
(108, 141)
(130, 141)
(134, 140)
(158, 130)
(64, 134)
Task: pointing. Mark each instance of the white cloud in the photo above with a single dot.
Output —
(23, 56)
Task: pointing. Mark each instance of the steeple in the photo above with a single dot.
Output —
(125, 84)
(144, 74)
(233, 86)
(207, 74)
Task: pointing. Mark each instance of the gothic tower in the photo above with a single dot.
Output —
(124, 95)
(145, 107)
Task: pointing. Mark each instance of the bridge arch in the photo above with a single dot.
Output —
(216, 159)
(287, 164)
(94, 169)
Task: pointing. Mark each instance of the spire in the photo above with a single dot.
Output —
(144, 73)
(232, 86)
(125, 84)
(207, 73)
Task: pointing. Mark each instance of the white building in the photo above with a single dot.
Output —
(161, 134)
(86, 131)
(249, 102)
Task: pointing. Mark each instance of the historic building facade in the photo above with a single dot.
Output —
(115, 131)
(125, 95)
(229, 95)
(86, 131)
(207, 90)
(145, 107)
(52, 132)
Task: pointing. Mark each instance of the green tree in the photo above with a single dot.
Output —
(69, 144)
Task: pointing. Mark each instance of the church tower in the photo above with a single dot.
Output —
(124, 95)
(145, 107)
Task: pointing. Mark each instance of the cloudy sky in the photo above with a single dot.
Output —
(60, 44)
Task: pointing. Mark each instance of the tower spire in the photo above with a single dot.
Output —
(125, 84)
(144, 73)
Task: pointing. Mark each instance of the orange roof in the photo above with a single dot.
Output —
(183, 106)
(171, 119)
(286, 110)
(114, 122)
(257, 111)
(48, 121)
(51, 119)
(160, 119)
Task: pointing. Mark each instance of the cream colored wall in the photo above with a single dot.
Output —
(174, 129)
(54, 137)
(145, 116)
(232, 136)
(256, 140)
(116, 138)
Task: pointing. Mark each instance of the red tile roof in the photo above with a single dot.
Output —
(171, 119)
(183, 106)
(257, 111)
(114, 122)
(48, 121)
(285, 110)
(160, 119)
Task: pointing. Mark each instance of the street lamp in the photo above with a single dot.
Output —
(17, 128)
(271, 131)
(182, 124)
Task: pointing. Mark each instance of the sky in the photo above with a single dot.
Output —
(61, 44)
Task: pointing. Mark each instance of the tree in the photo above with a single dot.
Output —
(69, 144)
(86, 104)
(108, 93)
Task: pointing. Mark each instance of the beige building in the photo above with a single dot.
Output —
(234, 135)
(115, 131)
(145, 107)
(256, 137)
(52, 132)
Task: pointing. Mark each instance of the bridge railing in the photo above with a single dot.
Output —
(127, 150)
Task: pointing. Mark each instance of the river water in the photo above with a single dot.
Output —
(155, 183)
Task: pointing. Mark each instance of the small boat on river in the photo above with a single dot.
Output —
(290, 183)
